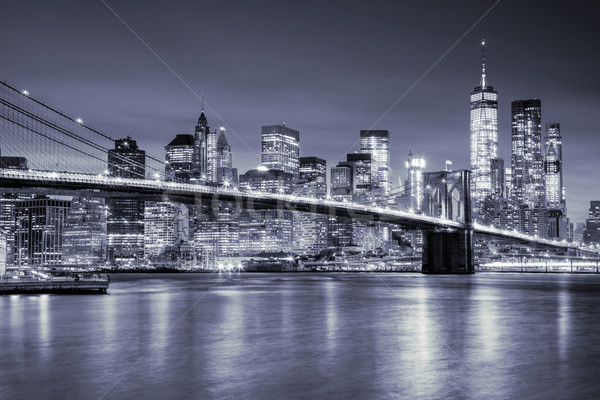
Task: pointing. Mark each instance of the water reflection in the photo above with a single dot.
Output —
(307, 336)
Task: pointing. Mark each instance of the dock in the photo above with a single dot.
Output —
(77, 283)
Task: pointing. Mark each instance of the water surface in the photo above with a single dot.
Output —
(299, 336)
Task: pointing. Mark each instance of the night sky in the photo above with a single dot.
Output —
(328, 69)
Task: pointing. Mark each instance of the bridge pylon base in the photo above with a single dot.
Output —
(448, 253)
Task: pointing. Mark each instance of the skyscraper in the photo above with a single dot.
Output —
(226, 174)
(84, 232)
(265, 230)
(484, 136)
(125, 218)
(179, 156)
(377, 144)
(366, 177)
(591, 232)
(341, 185)
(205, 151)
(280, 148)
(39, 232)
(527, 162)
(555, 192)
(159, 227)
(126, 160)
(310, 230)
(497, 174)
(414, 182)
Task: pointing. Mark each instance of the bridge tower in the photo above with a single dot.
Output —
(447, 195)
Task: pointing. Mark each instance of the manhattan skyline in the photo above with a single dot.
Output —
(327, 71)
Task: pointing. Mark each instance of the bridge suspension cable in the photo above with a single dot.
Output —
(50, 139)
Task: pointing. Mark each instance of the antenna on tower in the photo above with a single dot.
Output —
(483, 81)
(202, 102)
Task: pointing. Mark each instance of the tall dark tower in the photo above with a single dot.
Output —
(205, 151)
(126, 160)
(484, 137)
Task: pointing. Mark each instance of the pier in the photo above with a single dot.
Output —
(79, 283)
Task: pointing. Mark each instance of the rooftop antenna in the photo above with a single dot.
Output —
(483, 82)
(202, 102)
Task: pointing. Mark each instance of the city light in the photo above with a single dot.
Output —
(79, 121)
(26, 92)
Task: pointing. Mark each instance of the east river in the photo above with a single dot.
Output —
(307, 336)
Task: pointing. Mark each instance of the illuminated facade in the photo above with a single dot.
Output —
(527, 165)
(205, 151)
(366, 177)
(310, 230)
(414, 182)
(497, 177)
(377, 143)
(267, 230)
(84, 232)
(125, 217)
(217, 228)
(280, 149)
(39, 230)
(341, 188)
(159, 227)
(591, 232)
(226, 174)
(484, 138)
(179, 155)
(555, 191)
(341, 183)
(8, 203)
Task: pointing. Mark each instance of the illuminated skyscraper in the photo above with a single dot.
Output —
(591, 232)
(205, 151)
(159, 227)
(341, 188)
(555, 192)
(341, 185)
(497, 173)
(280, 148)
(125, 219)
(226, 174)
(179, 155)
(414, 182)
(366, 176)
(527, 162)
(39, 232)
(84, 232)
(310, 230)
(484, 137)
(377, 144)
(265, 230)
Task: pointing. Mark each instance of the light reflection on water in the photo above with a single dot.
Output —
(262, 336)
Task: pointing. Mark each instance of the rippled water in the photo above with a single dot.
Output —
(297, 336)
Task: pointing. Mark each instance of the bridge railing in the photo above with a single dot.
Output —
(188, 188)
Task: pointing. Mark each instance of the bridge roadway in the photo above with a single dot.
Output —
(18, 180)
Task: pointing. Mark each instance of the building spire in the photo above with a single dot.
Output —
(202, 120)
(483, 80)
